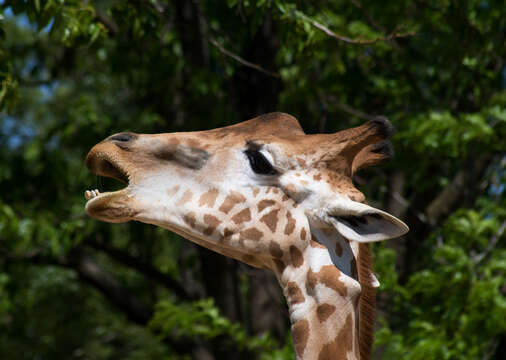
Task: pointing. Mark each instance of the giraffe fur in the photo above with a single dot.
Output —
(265, 193)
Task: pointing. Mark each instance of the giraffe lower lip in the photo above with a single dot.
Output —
(116, 206)
(92, 195)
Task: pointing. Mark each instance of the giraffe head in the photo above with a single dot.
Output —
(236, 189)
(175, 180)
(265, 193)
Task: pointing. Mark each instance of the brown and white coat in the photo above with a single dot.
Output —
(265, 193)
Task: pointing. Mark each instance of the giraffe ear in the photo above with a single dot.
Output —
(363, 223)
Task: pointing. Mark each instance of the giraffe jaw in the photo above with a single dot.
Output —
(116, 206)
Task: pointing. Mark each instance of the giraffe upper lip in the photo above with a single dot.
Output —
(112, 170)
(101, 163)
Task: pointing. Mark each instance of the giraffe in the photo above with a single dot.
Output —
(265, 193)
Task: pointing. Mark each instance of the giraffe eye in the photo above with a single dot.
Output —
(259, 164)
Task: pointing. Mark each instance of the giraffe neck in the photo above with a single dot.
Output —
(323, 296)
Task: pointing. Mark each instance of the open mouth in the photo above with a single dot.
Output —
(112, 206)
(90, 194)
(104, 167)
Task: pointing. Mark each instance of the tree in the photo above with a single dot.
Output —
(73, 72)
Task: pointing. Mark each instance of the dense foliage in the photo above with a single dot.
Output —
(73, 72)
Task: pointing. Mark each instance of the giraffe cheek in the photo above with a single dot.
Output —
(295, 185)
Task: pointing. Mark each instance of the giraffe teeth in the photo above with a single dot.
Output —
(90, 194)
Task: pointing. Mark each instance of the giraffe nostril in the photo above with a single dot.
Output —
(123, 137)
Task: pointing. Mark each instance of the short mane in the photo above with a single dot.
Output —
(367, 305)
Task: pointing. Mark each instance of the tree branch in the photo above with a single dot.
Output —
(326, 30)
(242, 61)
(452, 194)
(107, 22)
(160, 8)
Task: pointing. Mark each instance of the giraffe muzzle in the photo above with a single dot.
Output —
(105, 159)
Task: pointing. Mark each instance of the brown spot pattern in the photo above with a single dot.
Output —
(275, 249)
(212, 222)
(252, 234)
(295, 295)
(242, 216)
(187, 196)
(208, 198)
(296, 256)
(328, 276)
(303, 234)
(271, 219)
(228, 233)
(317, 177)
(230, 201)
(291, 188)
(280, 265)
(300, 334)
(255, 191)
(189, 219)
(323, 311)
(341, 345)
(290, 224)
(264, 204)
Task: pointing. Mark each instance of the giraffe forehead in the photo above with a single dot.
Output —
(302, 166)
(289, 151)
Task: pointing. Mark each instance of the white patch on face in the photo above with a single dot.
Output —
(158, 195)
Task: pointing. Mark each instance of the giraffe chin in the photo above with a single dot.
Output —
(114, 207)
